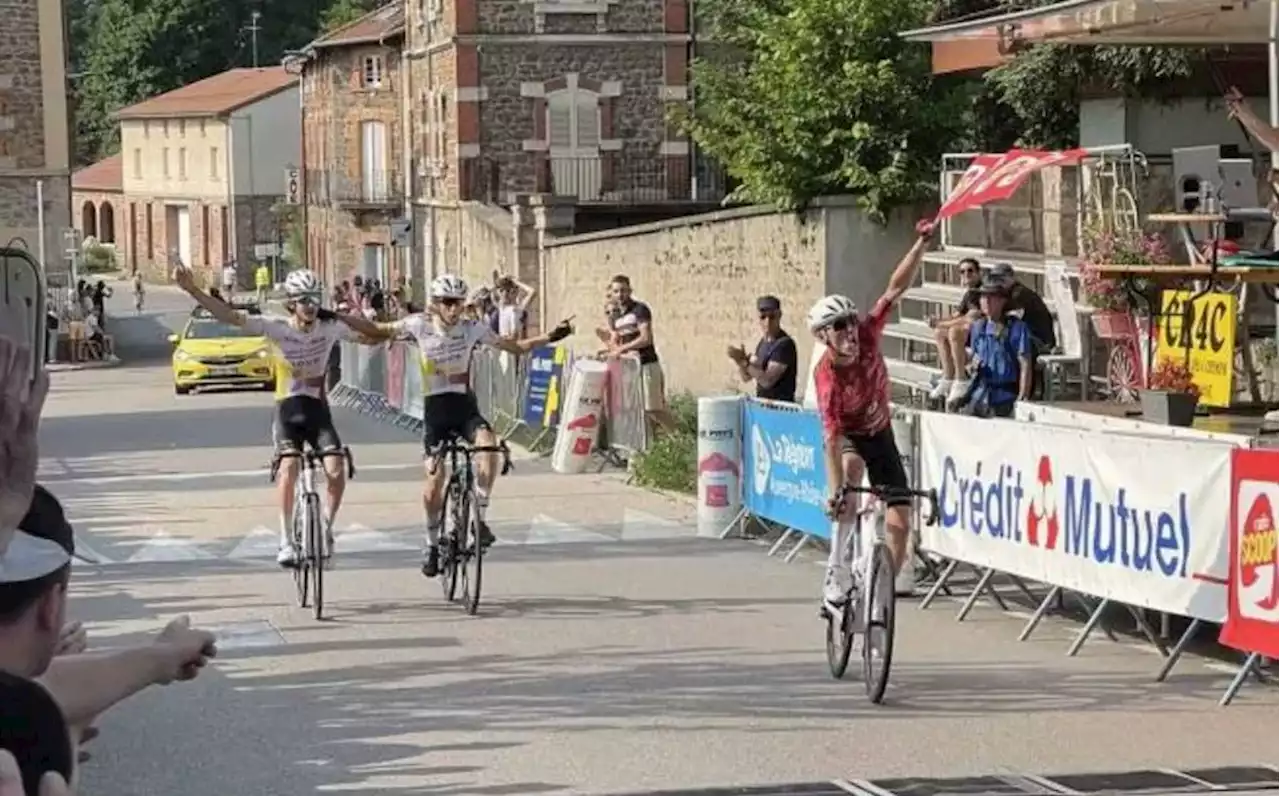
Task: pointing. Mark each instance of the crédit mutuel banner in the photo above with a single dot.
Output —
(993, 178)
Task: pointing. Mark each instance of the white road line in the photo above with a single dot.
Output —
(261, 472)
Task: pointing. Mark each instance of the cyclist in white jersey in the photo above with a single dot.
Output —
(446, 341)
(304, 340)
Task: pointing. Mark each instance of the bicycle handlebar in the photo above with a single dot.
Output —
(457, 446)
(311, 457)
(881, 493)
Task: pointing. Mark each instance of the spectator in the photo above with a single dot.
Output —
(1002, 356)
(96, 337)
(632, 332)
(51, 325)
(98, 300)
(229, 279)
(513, 298)
(951, 334)
(1028, 305)
(262, 282)
(213, 291)
(139, 292)
(377, 300)
(773, 366)
(52, 784)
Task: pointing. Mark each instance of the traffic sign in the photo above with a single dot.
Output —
(402, 233)
(264, 250)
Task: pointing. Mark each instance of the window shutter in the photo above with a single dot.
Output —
(560, 120)
(588, 120)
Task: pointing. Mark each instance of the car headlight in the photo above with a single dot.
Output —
(181, 356)
(262, 353)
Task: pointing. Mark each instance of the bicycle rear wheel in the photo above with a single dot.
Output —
(472, 556)
(298, 530)
(879, 602)
(449, 540)
(839, 639)
(315, 553)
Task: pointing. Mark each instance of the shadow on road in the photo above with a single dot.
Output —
(144, 338)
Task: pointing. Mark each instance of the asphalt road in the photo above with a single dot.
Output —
(616, 652)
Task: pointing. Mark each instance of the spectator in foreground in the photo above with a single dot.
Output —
(1002, 358)
(1030, 307)
(952, 333)
(774, 364)
(34, 731)
(632, 332)
(513, 299)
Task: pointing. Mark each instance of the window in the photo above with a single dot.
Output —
(182, 127)
(372, 77)
(202, 128)
(213, 163)
(442, 126)
(182, 163)
(146, 128)
(150, 229)
(204, 233)
(137, 164)
(373, 164)
(166, 161)
(165, 126)
(573, 122)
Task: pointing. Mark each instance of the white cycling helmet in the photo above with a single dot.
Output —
(302, 283)
(448, 286)
(830, 309)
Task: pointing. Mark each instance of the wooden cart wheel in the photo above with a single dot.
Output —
(1122, 374)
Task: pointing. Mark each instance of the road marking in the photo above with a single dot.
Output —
(164, 547)
(87, 554)
(362, 539)
(549, 530)
(262, 542)
(238, 635)
(262, 472)
(643, 525)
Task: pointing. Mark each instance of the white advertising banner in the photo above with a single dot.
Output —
(719, 463)
(1141, 521)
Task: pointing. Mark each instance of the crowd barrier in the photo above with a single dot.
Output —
(1103, 517)
(513, 393)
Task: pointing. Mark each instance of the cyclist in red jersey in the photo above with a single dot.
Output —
(852, 385)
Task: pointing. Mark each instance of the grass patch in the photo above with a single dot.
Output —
(671, 462)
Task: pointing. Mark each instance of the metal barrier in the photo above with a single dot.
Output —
(1031, 504)
(513, 393)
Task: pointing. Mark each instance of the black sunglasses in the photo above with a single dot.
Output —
(449, 302)
(841, 325)
(306, 301)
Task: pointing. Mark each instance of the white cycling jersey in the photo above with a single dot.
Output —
(304, 354)
(445, 354)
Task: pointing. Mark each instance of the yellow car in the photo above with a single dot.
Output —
(210, 353)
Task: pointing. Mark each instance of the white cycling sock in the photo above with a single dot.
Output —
(433, 531)
(482, 501)
(285, 535)
(839, 554)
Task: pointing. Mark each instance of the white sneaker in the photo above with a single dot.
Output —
(288, 556)
(836, 584)
(940, 389)
(959, 389)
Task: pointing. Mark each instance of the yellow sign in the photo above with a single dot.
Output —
(1210, 338)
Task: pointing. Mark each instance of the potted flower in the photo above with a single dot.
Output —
(1111, 299)
(1172, 394)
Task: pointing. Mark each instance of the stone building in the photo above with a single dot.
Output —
(353, 146)
(203, 169)
(35, 137)
(97, 200)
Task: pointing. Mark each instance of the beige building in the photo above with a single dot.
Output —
(202, 168)
(35, 138)
(353, 144)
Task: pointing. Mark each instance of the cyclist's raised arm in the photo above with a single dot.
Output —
(905, 272)
(518, 347)
(375, 332)
(217, 308)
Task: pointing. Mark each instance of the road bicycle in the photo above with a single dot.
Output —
(461, 550)
(869, 607)
(307, 524)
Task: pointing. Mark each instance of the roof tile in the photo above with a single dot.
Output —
(381, 23)
(104, 176)
(214, 96)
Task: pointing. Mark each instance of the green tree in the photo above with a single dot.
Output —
(344, 12)
(809, 97)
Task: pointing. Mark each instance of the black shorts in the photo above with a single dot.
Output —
(879, 452)
(304, 420)
(449, 415)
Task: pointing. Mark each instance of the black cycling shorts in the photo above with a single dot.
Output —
(449, 415)
(879, 452)
(304, 420)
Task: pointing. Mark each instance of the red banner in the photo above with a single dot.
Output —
(1253, 589)
(992, 178)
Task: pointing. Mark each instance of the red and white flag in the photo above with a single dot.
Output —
(992, 178)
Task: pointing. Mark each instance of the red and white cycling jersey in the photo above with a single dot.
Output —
(853, 399)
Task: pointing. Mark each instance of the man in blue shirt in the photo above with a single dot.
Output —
(1001, 356)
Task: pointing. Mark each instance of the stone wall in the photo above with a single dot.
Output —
(701, 276)
(19, 219)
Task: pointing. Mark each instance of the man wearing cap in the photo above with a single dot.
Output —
(774, 364)
(1027, 304)
(1001, 346)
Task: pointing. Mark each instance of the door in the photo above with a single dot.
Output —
(374, 265)
(573, 132)
(374, 161)
(184, 234)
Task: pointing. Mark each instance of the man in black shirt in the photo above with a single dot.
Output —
(632, 333)
(1027, 304)
(952, 334)
(773, 367)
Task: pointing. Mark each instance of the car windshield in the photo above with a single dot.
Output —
(212, 330)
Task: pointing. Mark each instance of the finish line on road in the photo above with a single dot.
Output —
(260, 472)
(1229, 779)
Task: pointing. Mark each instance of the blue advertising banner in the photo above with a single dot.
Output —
(784, 472)
(545, 383)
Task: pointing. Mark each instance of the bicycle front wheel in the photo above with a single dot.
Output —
(315, 553)
(472, 558)
(453, 530)
(878, 609)
(297, 533)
